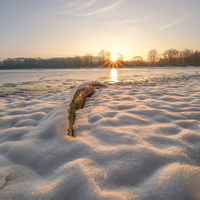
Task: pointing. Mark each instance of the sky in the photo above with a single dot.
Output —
(62, 28)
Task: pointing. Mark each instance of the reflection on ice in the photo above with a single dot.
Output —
(50, 80)
(113, 75)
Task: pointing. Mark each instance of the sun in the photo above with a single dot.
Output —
(113, 57)
(113, 61)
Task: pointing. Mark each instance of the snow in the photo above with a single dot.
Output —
(131, 142)
(51, 80)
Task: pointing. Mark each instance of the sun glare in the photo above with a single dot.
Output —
(113, 61)
(113, 76)
(114, 57)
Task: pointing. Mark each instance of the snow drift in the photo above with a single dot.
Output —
(131, 142)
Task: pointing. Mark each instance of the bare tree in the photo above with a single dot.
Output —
(152, 56)
(171, 56)
(108, 54)
(137, 61)
(88, 59)
(120, 56)
(103, 55)
(196, 58)
(187, 54)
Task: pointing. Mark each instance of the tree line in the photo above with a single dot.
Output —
(174, 57)
(171, 57)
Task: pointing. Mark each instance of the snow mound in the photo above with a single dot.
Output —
(139, 142)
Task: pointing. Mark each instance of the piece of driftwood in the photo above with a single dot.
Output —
(78, 102)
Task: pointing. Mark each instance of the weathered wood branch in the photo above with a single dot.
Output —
(77, 103)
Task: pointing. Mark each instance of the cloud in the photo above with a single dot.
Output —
(173, 23)
(88, 4)
(135, 23)
(76, 7)
(126, 21)
(102, 10)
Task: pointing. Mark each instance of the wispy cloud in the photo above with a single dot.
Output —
(173, 23)
(123, 22)
(77, 5)
(77, 9)
(102, 10)
(132, 23)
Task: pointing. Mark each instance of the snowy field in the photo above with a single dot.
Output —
(132, 141)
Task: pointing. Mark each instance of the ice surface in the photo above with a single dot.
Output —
(50, 80)
(131, 142)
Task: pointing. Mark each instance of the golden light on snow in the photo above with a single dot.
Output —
(113, 75)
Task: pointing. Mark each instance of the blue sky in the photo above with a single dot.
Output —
(60, 28)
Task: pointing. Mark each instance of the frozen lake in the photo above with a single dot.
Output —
(50, 80)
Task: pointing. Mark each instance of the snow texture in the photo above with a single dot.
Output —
(131, 142)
